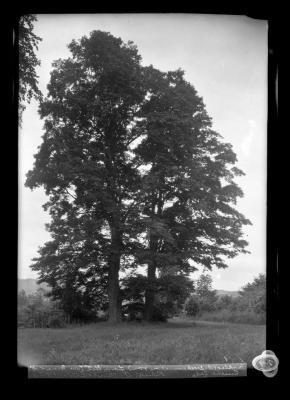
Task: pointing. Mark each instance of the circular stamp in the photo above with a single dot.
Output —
(267, 362)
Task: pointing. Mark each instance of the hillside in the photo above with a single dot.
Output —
(227, 293)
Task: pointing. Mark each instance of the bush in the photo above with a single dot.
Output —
(56, 322)
(192, 307)
(37, 311)
(207, 304)
(223, 302)
(160, 313)
(133, 311)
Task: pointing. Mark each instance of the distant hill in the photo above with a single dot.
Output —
(227, 293)
(30, 286)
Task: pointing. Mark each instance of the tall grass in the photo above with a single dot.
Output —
(176, 342)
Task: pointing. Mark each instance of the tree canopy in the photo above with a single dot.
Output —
(27, 44)
(189, 191)
(83, 162)
(135, 175)
(254, 294)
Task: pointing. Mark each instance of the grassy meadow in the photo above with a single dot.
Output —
(180, 341)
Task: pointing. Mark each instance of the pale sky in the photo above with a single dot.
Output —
(224, 57)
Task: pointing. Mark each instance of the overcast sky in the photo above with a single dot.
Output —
(224, 57)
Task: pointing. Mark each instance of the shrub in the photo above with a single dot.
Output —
(37, 311)
(223, 302)
(254, 294)
(133, 311)
(56, 322)
(160, 313)
(192, 307)
(207, 304)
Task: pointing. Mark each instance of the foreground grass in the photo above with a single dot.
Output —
(175, 342)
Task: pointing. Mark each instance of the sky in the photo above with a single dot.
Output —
(224, 58)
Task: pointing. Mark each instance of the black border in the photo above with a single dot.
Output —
(273, 282)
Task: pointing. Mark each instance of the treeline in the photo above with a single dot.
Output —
(176, 296)
(248, 307)
(37, 311)
(41, 310)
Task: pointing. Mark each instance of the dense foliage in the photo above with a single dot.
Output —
(36, 311)
(192, 306)
(135, 175)
(170, 292)
(188, 190)
(253, 295)
(83, 163)
(27, 44)
(204, 297)
(248, 307)
(73, 265)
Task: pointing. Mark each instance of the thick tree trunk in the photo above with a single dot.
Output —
(113, 281)
(114, 296)
(150, 292)
(151, 272)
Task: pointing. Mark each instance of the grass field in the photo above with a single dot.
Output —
(176, 342)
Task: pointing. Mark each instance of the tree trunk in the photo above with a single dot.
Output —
(151, 272)
(150, 292)
(113, 283)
